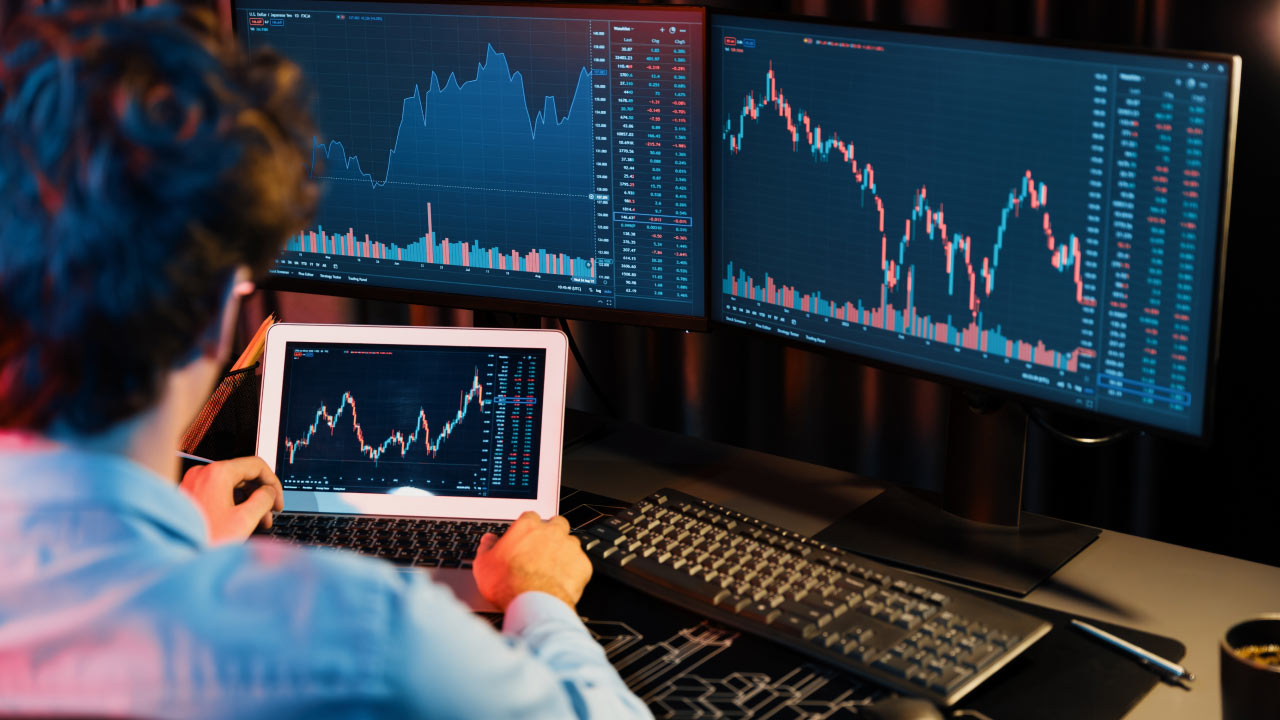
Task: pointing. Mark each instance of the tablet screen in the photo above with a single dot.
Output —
(411, 419)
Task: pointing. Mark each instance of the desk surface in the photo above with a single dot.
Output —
(1186, 594)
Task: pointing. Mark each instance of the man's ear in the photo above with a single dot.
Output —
(216, 343)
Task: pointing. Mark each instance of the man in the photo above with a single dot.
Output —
(149, 168)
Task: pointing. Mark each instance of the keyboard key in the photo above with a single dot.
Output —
(759, 612)
(870, 608)
(921, 677)
(833, 606)
(949, 680)
(795, 626)
(1002, 639)
(830, 639)
(935, 665)
(863, 653)
(894, 664)
(605, 533)
(907, 620)
(812, 614)
(980, 657)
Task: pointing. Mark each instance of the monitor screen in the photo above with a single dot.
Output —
(1034, 219)
(411, 420)
(536, 158)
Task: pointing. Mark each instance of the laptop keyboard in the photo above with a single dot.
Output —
(419, 542)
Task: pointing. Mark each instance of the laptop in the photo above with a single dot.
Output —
(409, 443)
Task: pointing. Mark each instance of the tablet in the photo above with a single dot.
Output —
(456, 423)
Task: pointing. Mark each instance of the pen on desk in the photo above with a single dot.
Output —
(196, 458)
(1164, 667)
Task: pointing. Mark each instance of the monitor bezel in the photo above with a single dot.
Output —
(1223, 221)
(697, 323)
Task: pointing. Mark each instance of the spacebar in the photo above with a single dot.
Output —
(666, 576)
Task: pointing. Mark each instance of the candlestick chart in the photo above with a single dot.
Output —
(397, 440)
(925, 225)
(982, 264)
(383, 419)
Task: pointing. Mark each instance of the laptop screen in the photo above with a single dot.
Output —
(411, 420)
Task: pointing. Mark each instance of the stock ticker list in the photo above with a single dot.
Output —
(1044, 223)
(543, 154)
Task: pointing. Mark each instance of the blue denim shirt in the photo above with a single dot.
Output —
(112, 602)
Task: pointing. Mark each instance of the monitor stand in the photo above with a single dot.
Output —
(979, 535)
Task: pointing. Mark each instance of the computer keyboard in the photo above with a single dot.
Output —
(419, 542)
(915, 635)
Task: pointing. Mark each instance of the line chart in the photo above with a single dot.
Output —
(397, 438)
(478, 134)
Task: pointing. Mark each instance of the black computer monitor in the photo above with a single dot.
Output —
(1035, 221)
(531, 158)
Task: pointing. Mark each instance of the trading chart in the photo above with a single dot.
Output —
(437, 421)
(1038, 219)
(532, 153)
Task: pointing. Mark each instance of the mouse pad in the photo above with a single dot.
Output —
(685, 666)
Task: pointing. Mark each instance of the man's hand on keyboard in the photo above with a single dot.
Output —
(213, 487)
(532, 555)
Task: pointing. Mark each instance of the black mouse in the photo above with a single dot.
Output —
(902, 708)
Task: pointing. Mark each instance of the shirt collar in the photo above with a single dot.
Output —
(46, 473)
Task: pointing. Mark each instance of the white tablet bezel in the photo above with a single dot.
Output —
(549, 453)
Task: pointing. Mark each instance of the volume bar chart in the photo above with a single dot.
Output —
(429, 249)
(906, 320)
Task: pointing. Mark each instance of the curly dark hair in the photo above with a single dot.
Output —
(143, 158)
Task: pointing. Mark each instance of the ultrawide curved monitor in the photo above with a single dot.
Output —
(532, 158)
(1039, 220)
